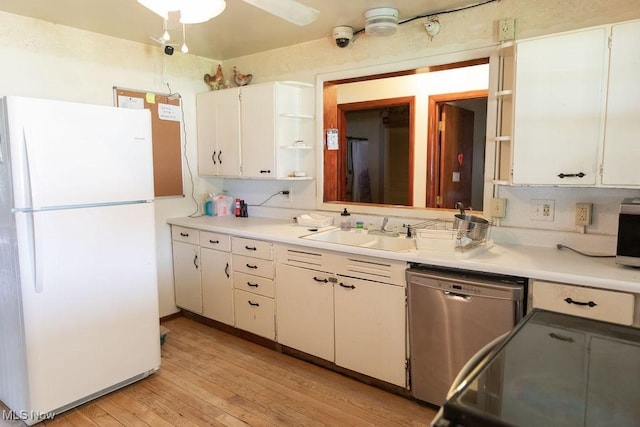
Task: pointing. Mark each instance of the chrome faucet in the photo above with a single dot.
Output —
(384, 224)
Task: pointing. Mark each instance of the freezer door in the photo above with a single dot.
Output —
(69, 154)
(90, 301)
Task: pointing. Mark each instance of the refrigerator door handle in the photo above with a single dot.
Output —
(35, 252)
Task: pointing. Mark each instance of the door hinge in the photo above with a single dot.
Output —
(441, 126)
(438, 200)
(609, 42)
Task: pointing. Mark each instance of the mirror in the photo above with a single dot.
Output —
(392, 151)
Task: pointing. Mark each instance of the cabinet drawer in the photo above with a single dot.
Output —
(221, 242)
(598, 304)
(184, 234)
(253, 284)
(376, 269)
(254, 313)
(253, 266)
(253, 248)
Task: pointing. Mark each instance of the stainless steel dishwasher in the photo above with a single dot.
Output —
(453, 314)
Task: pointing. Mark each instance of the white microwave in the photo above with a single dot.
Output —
(628, 249)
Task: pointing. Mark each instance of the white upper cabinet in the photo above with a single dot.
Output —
(277, 130)
(257, 131)
(560, 82)
(576, 108)
(218, 124)
(621, 154)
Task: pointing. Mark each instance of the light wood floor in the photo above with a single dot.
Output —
(211, 378)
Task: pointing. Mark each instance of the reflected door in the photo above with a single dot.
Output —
(456, 156)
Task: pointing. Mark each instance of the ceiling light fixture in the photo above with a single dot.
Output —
(184, 48)
(381, 21)
(191, 11)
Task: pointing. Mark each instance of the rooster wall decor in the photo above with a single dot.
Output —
(241, 79)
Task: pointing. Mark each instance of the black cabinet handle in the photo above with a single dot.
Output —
(265, 170)
(320, 280)
(572, 175)
(184, 234)
(252, 266)
(253, 285)
(214, 242)
(226, 270)
(213, 157)
(251, 248)
(195, 261)
(347, 286)
(253, 304)
(219, 154)
(571, 301)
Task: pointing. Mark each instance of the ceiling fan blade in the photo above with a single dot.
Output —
(289, 10)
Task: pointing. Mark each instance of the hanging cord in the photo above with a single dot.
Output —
(186, 158)
(285, 192)
(561, 246)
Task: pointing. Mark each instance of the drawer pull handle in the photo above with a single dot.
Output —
(214, 242)
(572, 175)
(184, 234)
(226, 270)
(252, 266)
(347, 286)
(251, 248)
(253, 304)
(571, 301)
(320, 280)
(265, 170)
(253, 285)
(560, 337)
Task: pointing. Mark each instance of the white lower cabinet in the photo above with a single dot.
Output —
(370, 328)
(358, 324)
(304, 309)
(217, 285)
(186, 268)
(253, 293)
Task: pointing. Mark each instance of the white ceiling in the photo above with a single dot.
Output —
(240, 30)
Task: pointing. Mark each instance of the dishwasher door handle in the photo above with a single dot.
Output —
(450, 294)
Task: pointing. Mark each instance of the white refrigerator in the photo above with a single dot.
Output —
(78, 280)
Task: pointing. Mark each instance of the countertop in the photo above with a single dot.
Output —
(526, 261)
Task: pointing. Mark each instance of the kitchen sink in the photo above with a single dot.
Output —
(363, 239)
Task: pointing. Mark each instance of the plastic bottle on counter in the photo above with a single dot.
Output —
(208, 205)
(237, 211)
(345, 220)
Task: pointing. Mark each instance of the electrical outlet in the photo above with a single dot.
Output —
(289, 195)
(583, 213)
(506, 29)
(542, 210)
(498, 207)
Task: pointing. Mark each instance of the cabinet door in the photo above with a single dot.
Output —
(227, 122)
(217, 285)
(258, 131)
(559, 87)
(254, 313)
(304, 304)
(622, 130)
(218, 125)
(186, 276)
(370, 329)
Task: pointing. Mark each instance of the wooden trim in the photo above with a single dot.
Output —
(433, 137)
(330, 157)
(372, 104)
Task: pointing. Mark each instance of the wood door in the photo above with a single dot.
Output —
(456, 155)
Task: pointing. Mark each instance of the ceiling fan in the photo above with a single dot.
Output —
(195, 11)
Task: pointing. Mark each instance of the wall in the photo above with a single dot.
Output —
(52, 61)
(462, 31)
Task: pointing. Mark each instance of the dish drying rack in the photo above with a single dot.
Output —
(443, 234)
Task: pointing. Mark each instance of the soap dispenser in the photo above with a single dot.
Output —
(345, 220)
